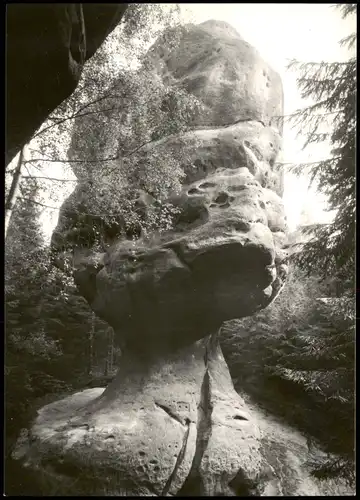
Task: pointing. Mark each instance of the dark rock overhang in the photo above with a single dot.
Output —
(46, 48)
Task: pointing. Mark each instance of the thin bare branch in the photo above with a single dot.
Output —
(37, 203)
(57, 160)
(41, 152)
(48, 178)
(73, 117)
(58, 208)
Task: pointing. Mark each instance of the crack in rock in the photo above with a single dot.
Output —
(171, 413)
(193, 483)
(244, 120)
(204, 127)
(240, 417)
(175, 247)
(227, 125)
(179, 460)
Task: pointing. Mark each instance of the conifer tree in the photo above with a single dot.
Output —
(332, 120)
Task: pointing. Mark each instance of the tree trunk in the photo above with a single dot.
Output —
(91, 345)
(14, 190)
(110, 353)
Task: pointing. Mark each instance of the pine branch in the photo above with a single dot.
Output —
(295, 62)
(349, 41)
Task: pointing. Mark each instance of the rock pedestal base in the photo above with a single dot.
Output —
(165, 426)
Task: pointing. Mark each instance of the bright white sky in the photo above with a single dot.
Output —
(280, 32)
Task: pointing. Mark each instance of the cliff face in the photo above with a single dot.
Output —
(171, 422)
(46, 48)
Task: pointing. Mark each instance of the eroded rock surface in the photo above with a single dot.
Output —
(164, 426)
(222, 260)
(171, 422)
(225, 72)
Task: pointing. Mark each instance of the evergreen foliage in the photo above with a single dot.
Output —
(331, 120)
(296, 358)
(48, 323)
(298, 355)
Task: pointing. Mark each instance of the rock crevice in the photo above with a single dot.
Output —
(179, 460)
(193, 483)
(171, 413)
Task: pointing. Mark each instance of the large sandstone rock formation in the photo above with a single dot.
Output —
(214, 63)
(171, 422)
(46, 48)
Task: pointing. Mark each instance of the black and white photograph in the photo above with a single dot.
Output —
(179, 269)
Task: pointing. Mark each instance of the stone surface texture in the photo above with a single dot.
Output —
(171, 421)
(214, 63)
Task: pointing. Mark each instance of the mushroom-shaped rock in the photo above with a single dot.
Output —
(171, 422)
